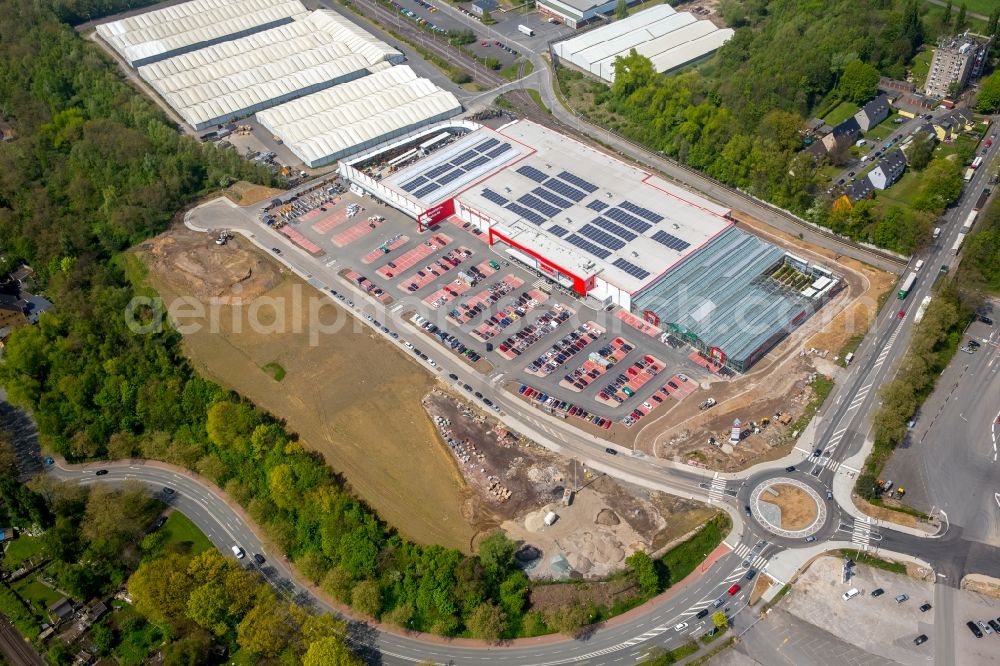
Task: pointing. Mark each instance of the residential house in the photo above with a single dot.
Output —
(843, 134)
(6, 534)
(872, 113)
(859, 189)
(889, 169)
(12, 316)
(480, 7)
(950, 125)
(60, 610)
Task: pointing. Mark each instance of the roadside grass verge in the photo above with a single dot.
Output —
(685, 557)
(821, 386)
(872, 561)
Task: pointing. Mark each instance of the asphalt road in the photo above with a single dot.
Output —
(949, 460)
(226, 528)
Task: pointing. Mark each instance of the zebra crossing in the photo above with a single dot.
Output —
(862, 533)
(756, 561)
(717, 489)
(887, 348)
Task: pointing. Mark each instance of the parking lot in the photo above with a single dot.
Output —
(497, 315)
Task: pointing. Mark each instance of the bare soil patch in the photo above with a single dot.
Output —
(759, 588)
(798, 509)
(247, 194)
(985, 585)
(192, 264)
(351, 396)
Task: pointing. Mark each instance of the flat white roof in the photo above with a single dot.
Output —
(236, 78)
(177, 28)
(324, 126)
(588, 212)
(668, 38)
(566, 49)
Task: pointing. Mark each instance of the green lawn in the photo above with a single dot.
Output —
(181, 531)
(902, 193)
(21, 549)
(685, 557)
(840, 113)
(920, 66)
(40, 596)
(881, 131)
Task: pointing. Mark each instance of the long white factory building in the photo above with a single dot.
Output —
(151, 36)
(670, 40)
(237, 78)
(323, 127)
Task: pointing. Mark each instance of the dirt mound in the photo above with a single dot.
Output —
(195, 265)
(607, 517)
(798, 509)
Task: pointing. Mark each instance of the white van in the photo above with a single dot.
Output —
(848, 358)
(919, 265)
(937, 232)
(238, 552)
(851, 593)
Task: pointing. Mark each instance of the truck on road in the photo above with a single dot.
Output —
(904, 289)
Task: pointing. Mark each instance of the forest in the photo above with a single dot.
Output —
(95, 169)
(738, 117)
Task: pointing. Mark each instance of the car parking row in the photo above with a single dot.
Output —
(368, 286)
(544, 324)
(304, 205)
(478, 304)
(628, 383)
(565, 349)
(409, 259)
(449, 340)
(465, 281)
(596, 365)
(562, 407)
(525, 303)
(435, 269)
(391, 245)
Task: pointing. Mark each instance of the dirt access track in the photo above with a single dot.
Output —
(779, 382)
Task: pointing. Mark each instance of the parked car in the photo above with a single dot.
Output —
(878, 592)
(920, 640)
(974, 629)
(901, 598)
(925, 607)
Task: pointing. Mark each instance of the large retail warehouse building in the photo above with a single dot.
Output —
(610, 232)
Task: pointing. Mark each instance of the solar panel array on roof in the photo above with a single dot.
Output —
(562, 188)
(529, 215)
(671, 241)
(553, 199)
(579, 182)
(641, 212)
(442, 174)
(414, 184)
(630, 221)
(589, 247)
(631, 269)
(532, 173)
(597, 205)
(601, 237)
(608, 225)
(558, 231)
(499, 150)
(532, 201)
(498, 199)
(483, 146)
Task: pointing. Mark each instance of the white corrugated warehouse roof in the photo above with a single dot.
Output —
(237, 78)
(328, 125)
(669, 39)
(151, 36)
(576, 44)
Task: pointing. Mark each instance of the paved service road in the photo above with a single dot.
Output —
(629, 639)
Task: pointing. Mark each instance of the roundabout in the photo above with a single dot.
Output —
(788, 508)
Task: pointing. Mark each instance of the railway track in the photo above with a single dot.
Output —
(16, 650)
